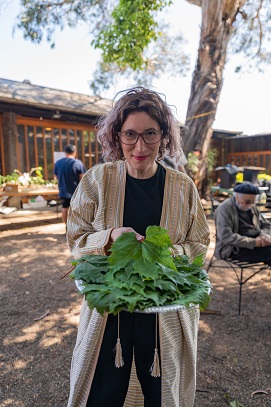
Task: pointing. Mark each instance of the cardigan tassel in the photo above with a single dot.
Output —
(119, 362)
(155, 367)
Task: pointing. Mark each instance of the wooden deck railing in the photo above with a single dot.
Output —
(251, 158)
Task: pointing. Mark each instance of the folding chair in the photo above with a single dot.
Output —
(238, 267)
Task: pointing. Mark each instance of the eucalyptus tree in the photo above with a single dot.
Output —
(227, 26)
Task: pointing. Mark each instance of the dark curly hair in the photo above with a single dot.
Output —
(139, 99)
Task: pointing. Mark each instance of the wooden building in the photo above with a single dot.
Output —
(254, 150)
(242, 150)
(36, 122)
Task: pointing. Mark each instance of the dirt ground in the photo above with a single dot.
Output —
(40, 313)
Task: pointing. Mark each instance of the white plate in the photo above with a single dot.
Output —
(150, 310)
(79, 284)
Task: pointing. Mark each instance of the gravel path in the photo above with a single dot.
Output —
(40, 313)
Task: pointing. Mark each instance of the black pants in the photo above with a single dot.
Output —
(254, 256)
(110, 384)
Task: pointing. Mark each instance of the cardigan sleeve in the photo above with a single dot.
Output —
(86, 203)
(197, 237)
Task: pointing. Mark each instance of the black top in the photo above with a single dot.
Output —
(143, 201)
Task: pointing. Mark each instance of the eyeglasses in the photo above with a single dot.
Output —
(151, 136)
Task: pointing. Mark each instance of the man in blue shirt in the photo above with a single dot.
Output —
(68, 171)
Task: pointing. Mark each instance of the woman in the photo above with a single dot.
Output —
(127, 193)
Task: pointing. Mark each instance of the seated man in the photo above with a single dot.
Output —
(242, 233)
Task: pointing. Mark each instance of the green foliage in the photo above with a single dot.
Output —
(193, 163)
(28, 178)
(9, 178)
(211, 159)
(131, 31)
(164, 56)
(138, 275)
(123, 28)
(2, 180)
(134, 44)
(33, 177)
(194, 160)
(38, 178)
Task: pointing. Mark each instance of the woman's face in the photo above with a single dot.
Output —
(140, 157)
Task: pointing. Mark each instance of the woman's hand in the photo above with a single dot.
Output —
(116, 232)
(119, 231)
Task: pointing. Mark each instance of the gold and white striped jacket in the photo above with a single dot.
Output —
(97, 207)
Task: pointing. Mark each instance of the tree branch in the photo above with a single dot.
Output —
(258, 19)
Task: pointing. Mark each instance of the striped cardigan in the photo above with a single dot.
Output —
(97, 207)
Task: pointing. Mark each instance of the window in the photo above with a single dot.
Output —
(38, 140)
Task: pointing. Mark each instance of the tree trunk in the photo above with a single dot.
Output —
(217, 21)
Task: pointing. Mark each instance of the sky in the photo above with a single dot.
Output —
(244, 102)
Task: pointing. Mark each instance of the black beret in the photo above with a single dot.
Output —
(246, 188)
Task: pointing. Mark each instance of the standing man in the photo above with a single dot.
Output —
(175, 164)
(68, 171)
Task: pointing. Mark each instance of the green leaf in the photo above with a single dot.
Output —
(168, 272)
(92, 259)
(146, 269)
(94, 287)
(198, 261)
(158, 236)
(123, 250)
(137, 288)
(154, 296)
(154, 253)
(165, 285)
(100, 301)
(129, 269)
(89, 273)
(197, 298)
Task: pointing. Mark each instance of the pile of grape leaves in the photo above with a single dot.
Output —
(138, 275)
